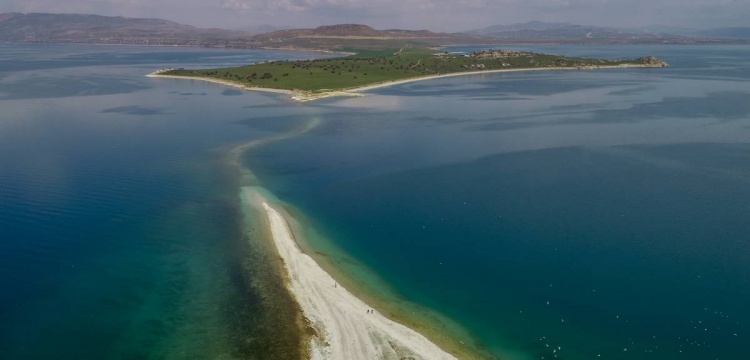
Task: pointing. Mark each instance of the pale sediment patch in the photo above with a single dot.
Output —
(346, 328)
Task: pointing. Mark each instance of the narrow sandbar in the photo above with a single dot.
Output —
(346, 328)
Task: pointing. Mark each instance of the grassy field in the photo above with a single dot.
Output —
(376, 66)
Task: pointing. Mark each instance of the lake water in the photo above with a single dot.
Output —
(119, 235)
(578, 214)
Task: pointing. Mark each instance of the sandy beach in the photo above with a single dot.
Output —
(346, 327)
(305, 96)
(429, 77)
(158, 74)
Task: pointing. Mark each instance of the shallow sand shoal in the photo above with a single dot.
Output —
(345, 329)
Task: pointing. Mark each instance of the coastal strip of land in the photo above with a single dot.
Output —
(302, 96)
(294, 95)
(307, 80)
(345, 327)
(160, 74)
(438, 76)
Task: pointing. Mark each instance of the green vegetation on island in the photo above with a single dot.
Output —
(382, 66)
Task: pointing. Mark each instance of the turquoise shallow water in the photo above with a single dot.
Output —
(593, 212)
(577, 214)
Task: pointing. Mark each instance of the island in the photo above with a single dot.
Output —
(307, 80)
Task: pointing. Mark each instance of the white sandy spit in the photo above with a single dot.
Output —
(294, 95)
(346, 328)
(158, 74)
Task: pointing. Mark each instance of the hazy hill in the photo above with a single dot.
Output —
(261, 28)
(352, 31)
(562, 32)
(716, 33)
(543, 30)
(358, 36)
(78, 28)
(726, 33)
(38, 27)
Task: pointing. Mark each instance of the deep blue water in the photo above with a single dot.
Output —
(119, 231)
(603, 212)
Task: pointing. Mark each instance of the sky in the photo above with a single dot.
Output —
(436, 15)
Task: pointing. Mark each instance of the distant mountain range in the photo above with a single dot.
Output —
(542, 30)
(537, 30)
(262, 28)
(348, 36)
(725, 33)
(78, 28)
(352, 30)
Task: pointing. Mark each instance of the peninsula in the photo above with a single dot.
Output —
(343, 327)
(307, 80)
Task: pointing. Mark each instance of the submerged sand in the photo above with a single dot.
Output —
(346, 328)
